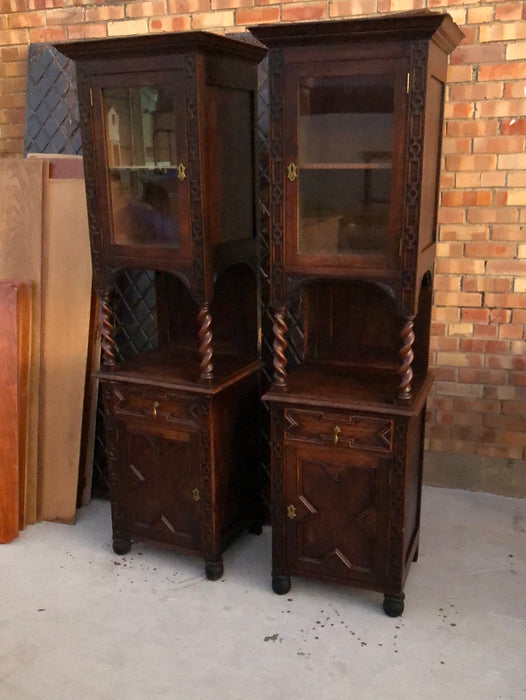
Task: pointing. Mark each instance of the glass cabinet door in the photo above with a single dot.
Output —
(144, 150)
(344, 166)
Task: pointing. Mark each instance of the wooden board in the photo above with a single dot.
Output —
(14, 373)
(20, 258)
(66, 305)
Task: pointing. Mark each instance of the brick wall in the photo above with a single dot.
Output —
(477, 410)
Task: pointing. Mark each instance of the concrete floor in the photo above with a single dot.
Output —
(79, 623)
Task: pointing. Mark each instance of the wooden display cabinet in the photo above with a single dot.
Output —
(168, 125)
(355, 133)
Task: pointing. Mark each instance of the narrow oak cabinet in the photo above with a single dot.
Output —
(355, 134)
(168, 143)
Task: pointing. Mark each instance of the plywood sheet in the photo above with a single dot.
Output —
(66, 304)
(14, 370)
(21, 258)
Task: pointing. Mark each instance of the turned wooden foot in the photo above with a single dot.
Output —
(393, 604)
(281, 584)
(121, 545)
(214, 569)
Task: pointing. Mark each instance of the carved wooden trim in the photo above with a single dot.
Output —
(406, 356)
(204, 335)
(394, 583)
(112, 448)
(211, 546)
(194, 175)
(279, 552)
(276, 175)
(414, 146)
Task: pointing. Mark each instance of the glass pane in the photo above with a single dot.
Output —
(345, 132)
(142, 159)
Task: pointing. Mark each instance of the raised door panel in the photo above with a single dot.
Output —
(141, 161)
(337, 514)
(157, 484)
(344, 140)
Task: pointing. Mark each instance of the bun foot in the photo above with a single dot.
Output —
(281, 584)
(121, 545)
(214, 570)
(394, 604)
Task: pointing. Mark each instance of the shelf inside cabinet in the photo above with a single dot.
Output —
(176, 367)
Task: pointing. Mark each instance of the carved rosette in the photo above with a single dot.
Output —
(279, 553)
(279, 347)
(395, 569)
(413, 175)
(406, 356)
(194, 176)
(204, 335)
(277, 178)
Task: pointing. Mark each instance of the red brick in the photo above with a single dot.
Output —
(508, 11)
(462, 198)
(303, 12)
(475, 53)
(229, 4)
(475, 91)
(475, 315)
(506, 232)
(257, 15)
(485, 330)
(509, 362)
(21, 20)
(475, 434)
(511, 332)
(181, 7)
(488, 250)
(450, 216)
(491, 215)
(498, 144)
(464, 233)
(467, 267)
(478, 127)
(351, 8)
(462, 299)
(502, 31)
(146, 9)
(87, 31)
(170, 24)
(510, 301)
(480, 406)
(501, 108)
(502, 71)
(48, 35)
(508, 422)
(478, 15)
(471, 162)
(513, 126)
(107, 12)
(487, 284)
(493, 179)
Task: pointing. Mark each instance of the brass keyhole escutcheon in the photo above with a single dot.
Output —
(181, 172)
(291, 512)
(196, 495)
(155, 407)
(292, 172)
(336, 434)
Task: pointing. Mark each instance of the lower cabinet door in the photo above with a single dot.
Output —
(157, 485)
(337, 514)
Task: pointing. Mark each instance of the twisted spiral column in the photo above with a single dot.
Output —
(108, 346)
(406, 356)
(204, 336)
(279, 346)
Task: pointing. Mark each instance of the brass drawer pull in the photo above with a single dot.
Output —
(291, 512)
(155, 407)
(336, 434)
(196, 495)
(181, 172)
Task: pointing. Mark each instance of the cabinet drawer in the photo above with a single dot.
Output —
(342, 430)
(154, 403)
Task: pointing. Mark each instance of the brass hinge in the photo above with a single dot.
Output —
(407, 83)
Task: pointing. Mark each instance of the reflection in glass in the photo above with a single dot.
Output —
(142, 158)
(345, 132)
